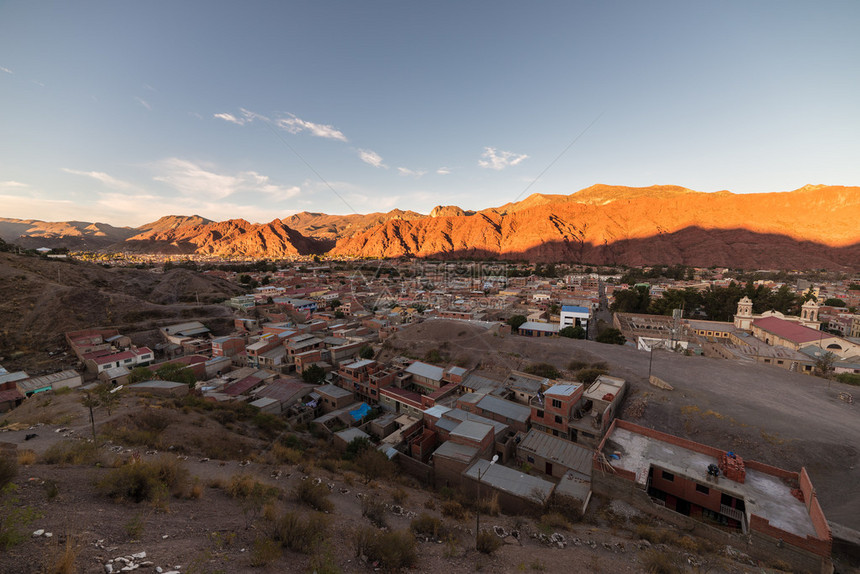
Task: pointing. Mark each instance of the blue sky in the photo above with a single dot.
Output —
(126, 111)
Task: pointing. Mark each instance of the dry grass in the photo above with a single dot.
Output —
(455, 510)
(62, 559)
(26, 457)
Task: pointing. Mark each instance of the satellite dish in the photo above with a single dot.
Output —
(495, 458)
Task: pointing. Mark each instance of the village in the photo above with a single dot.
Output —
(311, 344)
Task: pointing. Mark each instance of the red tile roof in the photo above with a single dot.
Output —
(789, 330)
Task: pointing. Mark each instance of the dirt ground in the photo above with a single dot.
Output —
(215, 533)
(763, 413)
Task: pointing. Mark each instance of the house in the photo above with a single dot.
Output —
(494, 408)
(227, 346)
(333, 398)
(518, 493)
(553, 456)
(97, 361)
(161, 388)
(779, 332)
(769, 513)
(536, 329)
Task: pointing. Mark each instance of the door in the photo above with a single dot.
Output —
(548, 469)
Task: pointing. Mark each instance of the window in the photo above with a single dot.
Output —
(668, 476)
(557, 419)
(556, 404)
(539, 414)
(703, 489)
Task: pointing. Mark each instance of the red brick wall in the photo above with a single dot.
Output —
(808, 543)
(686, 489)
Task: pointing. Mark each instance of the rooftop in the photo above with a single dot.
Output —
(511, 481)
(459, 452)
(431, 372)
(794, 332)
(565, 453)
(472, 430)
(507, 409)
(764, 494)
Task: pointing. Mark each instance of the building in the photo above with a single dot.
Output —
(538, 329)
(574, 316)
(769, 513)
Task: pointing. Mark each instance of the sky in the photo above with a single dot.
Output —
(123, 112)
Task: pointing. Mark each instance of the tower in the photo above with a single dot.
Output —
(744, 316)
(809, 314)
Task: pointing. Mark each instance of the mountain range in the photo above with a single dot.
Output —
(812, 227)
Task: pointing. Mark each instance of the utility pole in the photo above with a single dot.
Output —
(478, 507)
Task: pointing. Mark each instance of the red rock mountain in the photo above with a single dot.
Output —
(234, 237)
(813, 227)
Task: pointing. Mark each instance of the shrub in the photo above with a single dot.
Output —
(490, 505)
(62, 559)
(430, 504)
(660, 562)
(428, 526)
(27, 457)
(323, 562)
(393, 550)
(374, 510)
(453, 509)
(543, 370)
(71, 452)
(487, 542)
(144, 480)
(264, 551)
(314, 495)
(8, 471)
(399, 495)
(588, 376)
(13, 517)
(301, 533)
(246, 487)
(553, 521)
(576, 365)
(374, 464)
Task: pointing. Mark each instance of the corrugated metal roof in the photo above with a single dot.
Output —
(458, 452)
(535, 326)
(436, 411)
(511, 481)
(431, 372)
(562, 390)
(472, 430)
(565, 453)
(505, 408)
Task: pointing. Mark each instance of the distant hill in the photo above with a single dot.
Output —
(33, 233)
(812, 227)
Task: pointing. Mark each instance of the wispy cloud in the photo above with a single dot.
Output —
(231, 118)
(371, 158)
(498, 160)
(405, 171)
(296, 125)
(204, 182)
(12, 184)
(143, 103)
(101, 176)
(443, 171)
(7, 70)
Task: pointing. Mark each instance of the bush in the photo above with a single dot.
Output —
(848, 378)
(71, 452)
(374, 510)
(554, 521)
(660, 562)
(62, 559)
(246, 487)
(393, 550)
(26, 457)
(489, 506)
(543, 370)
(301, 533)
(487, 542)
(453, 509)
(8, 471)
(428, 526)
(611, 336)
(576, 365)
(264, 551)
(140, 481)
(314, 495)
(588, 376)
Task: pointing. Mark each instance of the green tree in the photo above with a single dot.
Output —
(543, 370)
(313, 374)
(824, 364)
(516, 321)
(834, 302)
(611, 336)
(334, 304)
(366, 352)
(177, 373)
(572, 332)
(139, 374)
(244, 278)
(634, 300)
(108, 396)
(373, 463)
(339, 314)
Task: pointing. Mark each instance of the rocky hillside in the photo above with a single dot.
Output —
(811, 227)
(82, 235)
(235, 237)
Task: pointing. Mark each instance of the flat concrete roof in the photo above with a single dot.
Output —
(508, 409)
(333, 391)
(763, 494)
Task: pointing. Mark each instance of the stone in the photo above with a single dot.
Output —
(37, 533)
